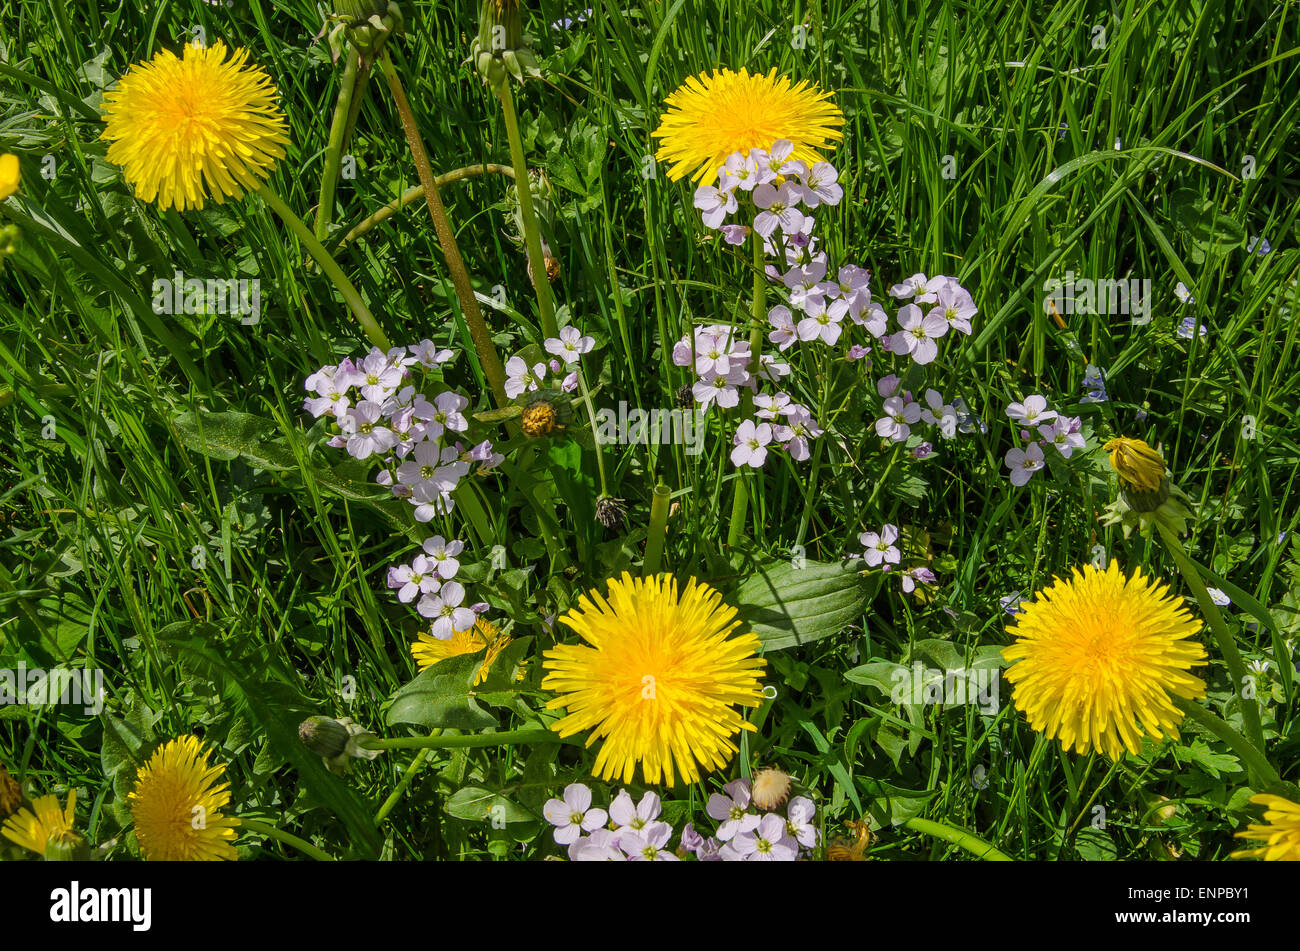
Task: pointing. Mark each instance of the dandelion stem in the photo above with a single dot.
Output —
(478, 330)
(656, 534)
(1227, 645)
(528, 217)
(972, 844)
(740, 501)
(416, 192)
(400, 788)
(465, 741)
(1257, 764)
(329, 266)
(258, 827)
(334, 149)
(595, 434)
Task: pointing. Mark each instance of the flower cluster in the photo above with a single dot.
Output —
(776, 185)
(383, 416)
(566, 350)
(428, 579)
(633, 832)
(1061, 432)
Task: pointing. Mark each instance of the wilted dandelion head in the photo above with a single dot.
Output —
(1100, 656)
(1280, 832)
(657, 678)
(770, 788)
(187, 129)
(1140, 466)
(45, 822)
(429, 650)
(712, 115)
(11, 794)
(177, 804)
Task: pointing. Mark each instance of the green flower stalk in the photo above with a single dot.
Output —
(658, 531)
(1148, 498)
(478, 329)
(500, 52)
(334, 149)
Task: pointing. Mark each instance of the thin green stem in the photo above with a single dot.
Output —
(658, 530)
(258, 827)
(1260, 769)
(416, 192)
(329, 266)
(532, 235)
(591, 421)
(400, 789)
(465, 741)
(334, 148)
(1227, 644)
(478, 329)
(971, 843)
(740, 501)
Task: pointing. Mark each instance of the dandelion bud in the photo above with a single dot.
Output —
(499, 50)
(366, 24)
(64, 845)
(1139, 466)
(770, 788)
(1146, 493)
(323, 736)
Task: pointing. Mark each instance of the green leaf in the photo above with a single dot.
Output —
(1209, 229)
(439, 698)
(787, 606)
(228, 436)
(476, 804)
(1093, 845)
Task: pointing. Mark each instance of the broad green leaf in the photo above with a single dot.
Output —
(476, 804)
(439, 698)
(787, 606)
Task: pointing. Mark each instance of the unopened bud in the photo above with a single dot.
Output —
(324, 736)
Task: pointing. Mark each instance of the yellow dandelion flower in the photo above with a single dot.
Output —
(841, 851)
(10, 175)
(187, 129)
(1099, 657)
(429, 650)
(711, 116)
(656, 679)
(177, 804)
(1281, 833)
(43, 823)
(1138, 464)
